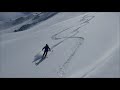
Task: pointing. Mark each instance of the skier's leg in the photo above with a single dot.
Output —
(43, 54)
(46, 53)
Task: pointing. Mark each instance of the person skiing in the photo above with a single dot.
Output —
(46, 49)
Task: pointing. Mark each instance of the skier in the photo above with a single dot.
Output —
(46, 49)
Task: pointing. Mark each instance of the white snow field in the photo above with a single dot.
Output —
(84, 45)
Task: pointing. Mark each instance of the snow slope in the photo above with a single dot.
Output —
(58, 17)
(24, 22)
(6, 16)
(83, 46)
(10, 19)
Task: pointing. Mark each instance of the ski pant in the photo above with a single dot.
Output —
(45, 53)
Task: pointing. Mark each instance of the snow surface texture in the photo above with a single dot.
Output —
(81, 46)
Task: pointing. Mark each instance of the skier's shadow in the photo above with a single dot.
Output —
(39, 58)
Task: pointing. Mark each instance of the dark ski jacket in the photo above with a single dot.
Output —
(46, 48)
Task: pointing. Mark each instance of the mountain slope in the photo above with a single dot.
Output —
(79, 45)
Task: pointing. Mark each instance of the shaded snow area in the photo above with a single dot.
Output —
(23, 22)
(83, 44)
(6, 16)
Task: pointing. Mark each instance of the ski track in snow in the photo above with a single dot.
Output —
(64, 35)
(70, 32)
(70, 35)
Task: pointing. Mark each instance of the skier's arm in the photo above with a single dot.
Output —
(43, 48)
(49, 49)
